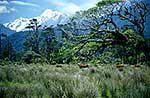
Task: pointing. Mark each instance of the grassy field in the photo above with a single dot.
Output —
(69, 81)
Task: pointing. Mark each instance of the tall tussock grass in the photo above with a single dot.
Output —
(69, 81)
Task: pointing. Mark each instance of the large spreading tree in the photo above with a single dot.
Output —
(105, 24)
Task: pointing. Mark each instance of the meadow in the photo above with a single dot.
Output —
(71, 81)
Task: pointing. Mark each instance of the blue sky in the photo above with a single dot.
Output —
(13, 9)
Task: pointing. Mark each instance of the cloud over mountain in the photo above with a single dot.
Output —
(5, 9)
(24, 3)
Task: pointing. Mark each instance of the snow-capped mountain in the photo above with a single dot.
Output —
(18, 24)
(48, 17)
(5, 30)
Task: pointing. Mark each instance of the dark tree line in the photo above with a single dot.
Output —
(7, 52)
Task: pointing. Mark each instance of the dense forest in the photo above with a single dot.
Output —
(101, 52)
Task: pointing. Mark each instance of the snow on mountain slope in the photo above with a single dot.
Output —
(48, 17)
(18, 24)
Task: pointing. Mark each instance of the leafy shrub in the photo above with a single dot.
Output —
(5, 62)
(32, 57)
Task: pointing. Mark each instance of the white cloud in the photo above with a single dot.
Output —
(18, 3)
(89, 4)
(57, 2)
(12, 9)
(24, 3)
(4, 9)
(70, 8)
(4, 3)
(64, 6)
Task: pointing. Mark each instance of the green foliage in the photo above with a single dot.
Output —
(30, 41)
(105, 42)
(109, 49)
(5, 62)
(33, 39)
(134, 46)
(133, 37)
(32, 57)
(148, 41)
(107, 2)
(9, 52)
(50, 45)
(66, 54)
(91, 10)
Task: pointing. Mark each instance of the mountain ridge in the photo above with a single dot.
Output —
(48, 17)
(6, 30)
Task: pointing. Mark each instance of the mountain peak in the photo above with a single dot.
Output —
(50, 13)
(47, 12)
(48, 17)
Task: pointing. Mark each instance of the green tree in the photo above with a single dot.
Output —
(100, 21)
(50, 44)
(134, 45)
(33, 40)
(9, 52)
(49, 39)
(1, 35)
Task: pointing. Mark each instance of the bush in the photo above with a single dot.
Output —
(32, 57)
